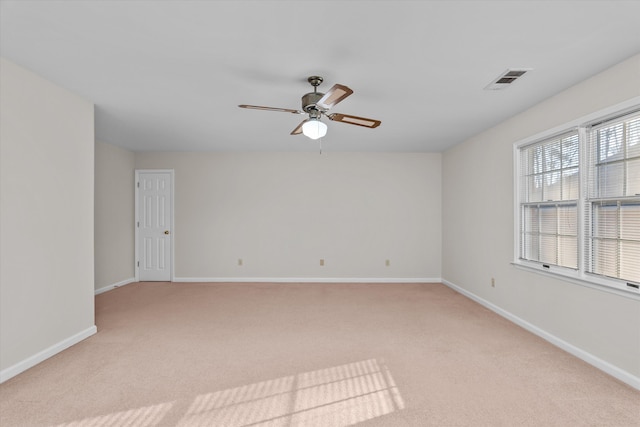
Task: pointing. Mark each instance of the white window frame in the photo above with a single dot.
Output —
(578, 276)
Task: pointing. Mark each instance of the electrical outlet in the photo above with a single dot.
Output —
(493, 282)
(321, 261)
(239, 261)
(387, 263)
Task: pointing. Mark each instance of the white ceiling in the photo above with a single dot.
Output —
(168, 75)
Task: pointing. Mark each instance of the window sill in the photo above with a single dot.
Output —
(577, 279)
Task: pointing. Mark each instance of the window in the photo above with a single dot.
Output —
(578, 201)
(613, 199)
(549, 201)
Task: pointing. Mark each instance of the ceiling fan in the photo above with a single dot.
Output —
(316, 105)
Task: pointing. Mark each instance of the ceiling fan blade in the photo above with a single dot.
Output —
(336, 94)
(259, 107)
(298, 130)
(354, 120)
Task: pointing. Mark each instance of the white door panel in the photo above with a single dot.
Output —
(154, 226)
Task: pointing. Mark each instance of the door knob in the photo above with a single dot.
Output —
(166, 231)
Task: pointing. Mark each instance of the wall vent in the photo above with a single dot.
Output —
(507, 78)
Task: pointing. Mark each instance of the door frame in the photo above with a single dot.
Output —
(136, 186)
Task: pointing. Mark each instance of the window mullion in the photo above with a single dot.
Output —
(582, 205)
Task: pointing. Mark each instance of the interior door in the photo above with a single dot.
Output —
(154, 226)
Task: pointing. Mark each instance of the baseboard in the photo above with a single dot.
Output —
(115, 285)
(32, 361)
(308, 279)
(595, 361)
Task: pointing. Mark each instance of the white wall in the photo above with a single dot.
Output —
(478, 230)
(46, 219)
(114, 212)
(282, 212)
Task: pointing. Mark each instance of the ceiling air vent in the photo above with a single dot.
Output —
(507, 78)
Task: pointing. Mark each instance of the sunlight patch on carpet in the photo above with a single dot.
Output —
(339, 396)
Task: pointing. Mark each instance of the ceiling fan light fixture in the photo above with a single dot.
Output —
(314, 129)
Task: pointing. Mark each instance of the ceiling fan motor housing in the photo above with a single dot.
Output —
(310, 100)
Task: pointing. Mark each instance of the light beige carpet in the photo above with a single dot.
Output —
(177, 354)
